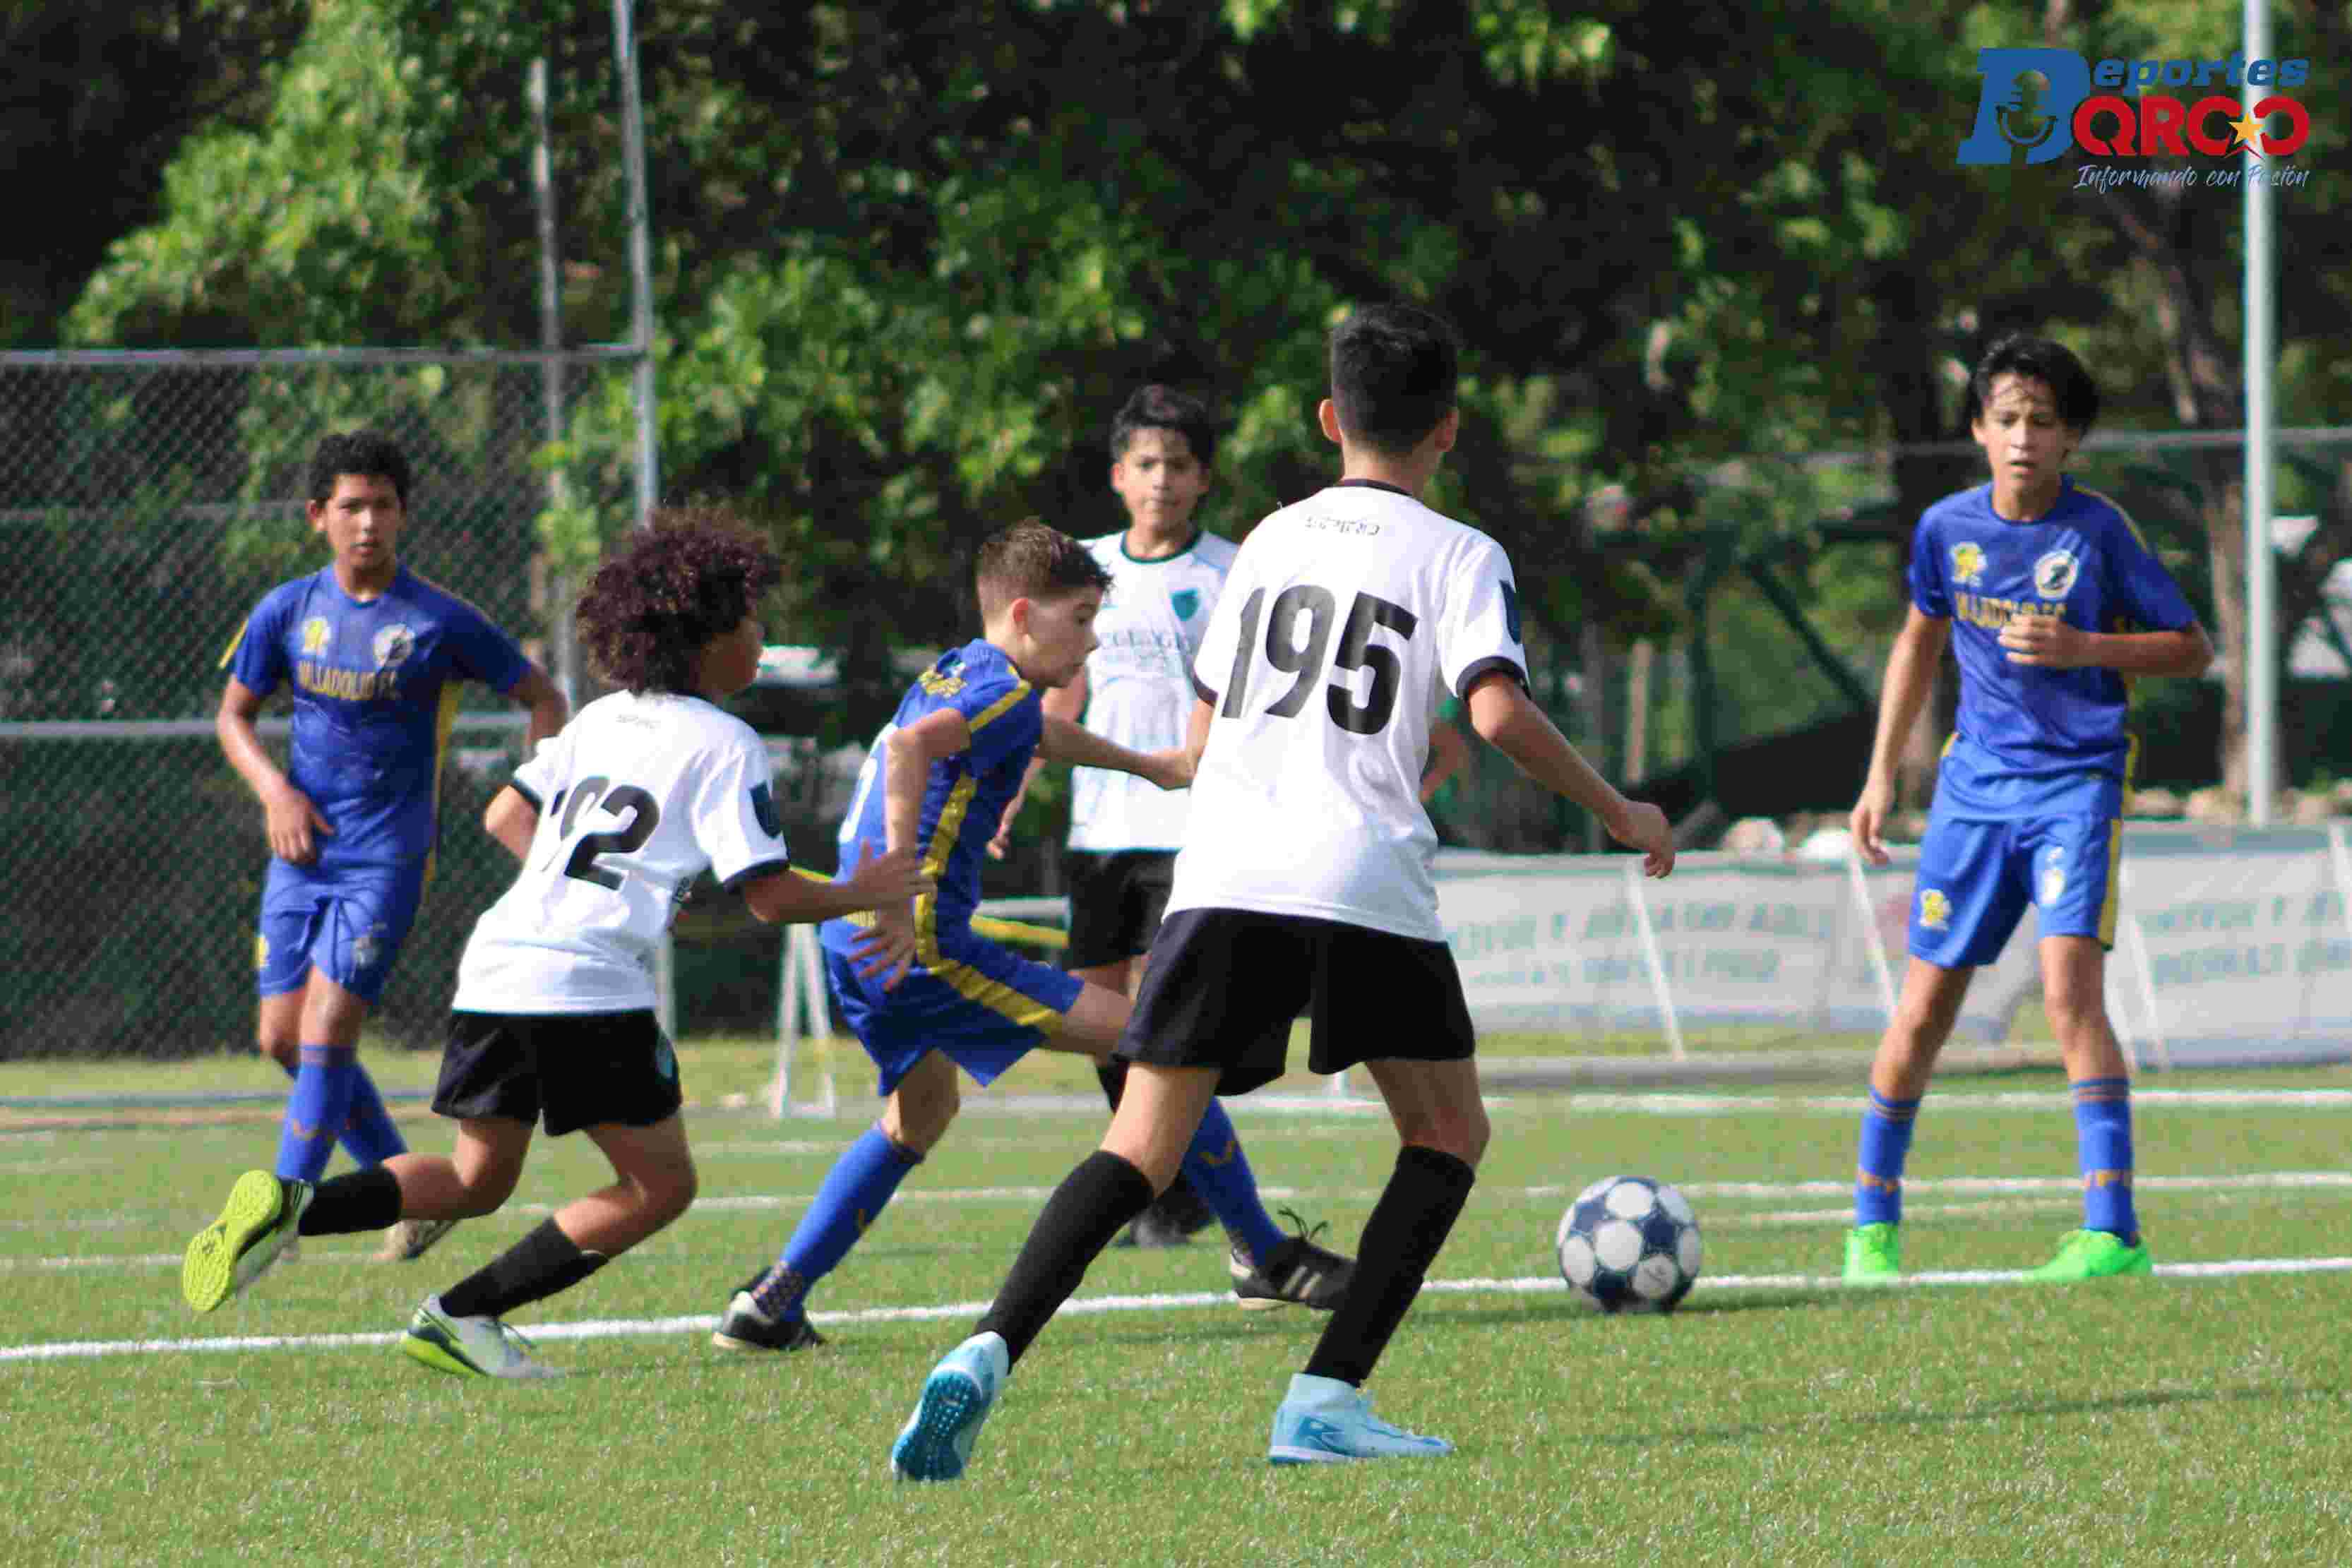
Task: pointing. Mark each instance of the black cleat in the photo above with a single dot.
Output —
(1299, 1274)
(1174, 1218)
(743, 1326)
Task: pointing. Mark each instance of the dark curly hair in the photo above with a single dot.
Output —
(368, 452)
(649, 612)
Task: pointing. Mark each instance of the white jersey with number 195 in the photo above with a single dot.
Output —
(1342, 618)
(637, 797)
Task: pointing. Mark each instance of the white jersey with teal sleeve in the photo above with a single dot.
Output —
(638, 796)
(1140, 686)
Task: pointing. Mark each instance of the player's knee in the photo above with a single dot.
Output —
(486, 1186)
(1462, 1130)
(287, 1051)
(2076, 1014)
(668, 1193)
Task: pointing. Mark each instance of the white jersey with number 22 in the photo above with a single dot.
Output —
(638, 796)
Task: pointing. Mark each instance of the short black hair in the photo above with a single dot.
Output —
(2044, 360)
(1395, 370)
(1157, 407)
(369, 452)
(1034, 560)
(652, 607)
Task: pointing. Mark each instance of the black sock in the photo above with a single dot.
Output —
(1415, 1213)
(1112, 1076)
(533, 1269)
(1085, 1212)
(356, 1200)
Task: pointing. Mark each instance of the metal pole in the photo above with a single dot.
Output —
(641, 264)
(2262, 616)
(561, 633)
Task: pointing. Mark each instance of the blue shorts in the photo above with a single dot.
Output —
(349, 922)
(1976, 879)
(986, 1008)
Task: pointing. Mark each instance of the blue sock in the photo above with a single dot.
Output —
(317, 1110)
(1220, 1173)
(2104, 1143)
(1878, 1167)
(370, 1135)
(854, 1194)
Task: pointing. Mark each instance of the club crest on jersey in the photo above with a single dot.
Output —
(1935, 910)
(315, 635)
(394, 643)
(2055, 574)
(1186, 600)
(1967, 565)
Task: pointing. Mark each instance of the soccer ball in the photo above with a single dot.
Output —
(1629, 1244)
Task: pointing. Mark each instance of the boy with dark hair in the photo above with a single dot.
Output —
(1316, 684)
(939, 778)
(553, 1017)
(369, 651)
(2048, 585)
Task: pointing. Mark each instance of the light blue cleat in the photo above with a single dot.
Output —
(935, 1443)
(1326, 1422)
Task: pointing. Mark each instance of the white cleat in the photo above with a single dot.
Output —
(469, 1347)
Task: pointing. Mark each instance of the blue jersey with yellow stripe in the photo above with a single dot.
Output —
(2035, 742)
(965, 795)
(374, 684)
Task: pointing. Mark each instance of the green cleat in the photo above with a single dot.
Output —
(256, 1227)
(2094, 1255)
(1873, 1255)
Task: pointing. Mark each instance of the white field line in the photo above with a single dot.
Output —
(2007, 1194)
(1755, 1191)
(640, 1328)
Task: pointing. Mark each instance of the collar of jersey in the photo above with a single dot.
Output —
(1373, 485)
(1189, 546)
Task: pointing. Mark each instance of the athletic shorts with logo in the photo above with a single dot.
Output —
(1976, 879)
(574, 1069)
(1224, 987)
(985, 1006)
(349, 922)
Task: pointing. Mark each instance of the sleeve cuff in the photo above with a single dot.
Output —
(1201, 690)
(1471, 676)
(516, 784)
(754, 872)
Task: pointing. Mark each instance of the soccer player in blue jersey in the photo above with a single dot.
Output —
(939, 776)
(372, 654)
(2049, 600)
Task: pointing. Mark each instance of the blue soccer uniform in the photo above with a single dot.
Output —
(2029, 802)
(374, 686)
(984, 1006)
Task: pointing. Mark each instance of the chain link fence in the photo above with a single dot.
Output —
(147, 501)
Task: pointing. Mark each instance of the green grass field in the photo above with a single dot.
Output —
(1778, 1418)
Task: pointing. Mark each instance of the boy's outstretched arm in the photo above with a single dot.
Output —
(1502, 714)
(1061, 702)
(1910, 676)
(1063, 741)
(512, 820)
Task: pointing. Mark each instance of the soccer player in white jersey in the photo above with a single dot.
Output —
(553, 1017)
(1304, 884)
(1136, 689)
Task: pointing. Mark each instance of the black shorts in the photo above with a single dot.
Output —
(581, 1069)
(1226, 985)
(1116, 902)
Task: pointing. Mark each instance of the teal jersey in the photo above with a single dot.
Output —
(2034, 742)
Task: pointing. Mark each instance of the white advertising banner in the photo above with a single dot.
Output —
(2232, 946)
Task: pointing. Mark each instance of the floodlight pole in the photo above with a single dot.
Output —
(641, 264)
(2261, 616)
(561, 634)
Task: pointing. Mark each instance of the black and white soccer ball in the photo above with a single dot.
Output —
(1629, 1244)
